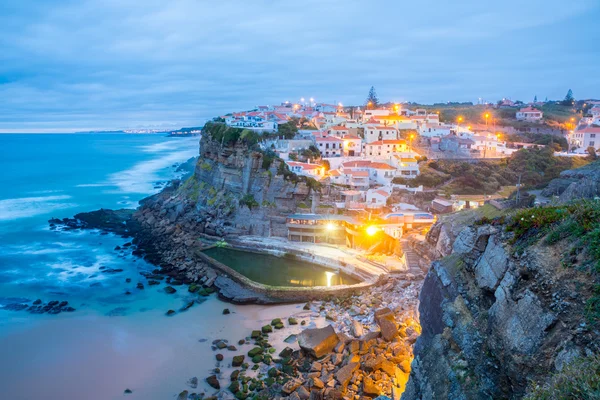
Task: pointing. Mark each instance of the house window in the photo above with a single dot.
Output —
(592, 135)
(592, 143)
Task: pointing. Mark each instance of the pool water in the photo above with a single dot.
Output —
(278, 271)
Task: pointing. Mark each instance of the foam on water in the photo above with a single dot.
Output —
(25, 207)
(141, 178)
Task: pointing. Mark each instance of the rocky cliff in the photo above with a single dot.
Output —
(234, 191)
(580, 183)
(495, 319)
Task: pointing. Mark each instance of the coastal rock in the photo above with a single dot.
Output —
(318, 342)
(213, 381)
(169, 290)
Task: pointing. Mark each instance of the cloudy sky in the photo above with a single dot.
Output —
(107, 64)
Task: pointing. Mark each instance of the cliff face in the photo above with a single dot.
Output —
(494, 322)
(580, 183)
(231, 193)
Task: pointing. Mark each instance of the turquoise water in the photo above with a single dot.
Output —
(278, 271)
(46, 176)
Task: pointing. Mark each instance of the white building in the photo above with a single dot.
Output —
(311, 170)
(330, 146)
(352, 146)
(529, 114)
(377, 198)
(383, 148)
(406, 167)
(380, 132)
(367, 114)
(584, 137)
(339, 131)
(435, 129)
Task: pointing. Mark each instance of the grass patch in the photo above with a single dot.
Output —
(579, 380)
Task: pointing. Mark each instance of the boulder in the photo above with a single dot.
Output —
(193, 382)
(344, 374)
(238, 361)
(387, 323)
(318, 342)
(213, 382)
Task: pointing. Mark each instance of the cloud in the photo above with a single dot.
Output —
(95, 64)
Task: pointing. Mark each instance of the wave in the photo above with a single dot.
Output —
(41, 248)
(141, 178)
(169, 145)
(25, 207)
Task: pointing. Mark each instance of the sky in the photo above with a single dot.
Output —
(72, 65)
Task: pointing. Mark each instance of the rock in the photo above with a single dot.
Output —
(273, 372)
(169, 289)
(267, 329)
(226, 311)
(127, 391)
(316, 382)
(37, 302)
(219, 357)
(140, 285)
(292, 321)
(344, 374)
(255, 351)
(213, 382)
(238, 361)
(192, 382)
(318, 342)
(306, 307)
(357, 329)
(276, 321)
(303, 393)
(234, 375)
(255, 334)
(387, 323)
(369, 386)
(170, 312)
(291, 385)
(221, 345)
(183, 395)
(285, 353)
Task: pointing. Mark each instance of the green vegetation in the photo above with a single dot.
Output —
(227, 135)
(205, 166)
(578, 224)
(249, 201)
(372, 100)
(579, 380)
(555, 142)
(535, 166)
(288, 130)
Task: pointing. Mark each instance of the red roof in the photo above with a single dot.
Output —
(356, 164)
(387, 128)
(589, 129)
(382, 193)
(351, 137)
(339, 128)
(303, 165)
(529, 109)
(381, 165)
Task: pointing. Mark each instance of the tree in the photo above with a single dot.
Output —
(372, 100)
(288, 130)
(592, 153)
(535, 98)
(569, 99)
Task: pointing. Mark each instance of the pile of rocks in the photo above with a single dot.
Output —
(38, 307)
(366, 351)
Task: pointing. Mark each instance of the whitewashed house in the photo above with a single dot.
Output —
(584, 137)
(330, 146)
(311, 170)
(380, 132)
(529, 114)
(383, 148)
(377, 198)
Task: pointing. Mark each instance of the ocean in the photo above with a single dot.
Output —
(118, 337)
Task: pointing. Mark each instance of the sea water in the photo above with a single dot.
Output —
(119, 336)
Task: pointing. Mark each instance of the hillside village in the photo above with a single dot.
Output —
(375, 150)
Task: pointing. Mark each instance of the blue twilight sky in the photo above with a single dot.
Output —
(104, 64)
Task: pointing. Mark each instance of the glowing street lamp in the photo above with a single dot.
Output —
(372, 230)
(330, 226)
(487, 116)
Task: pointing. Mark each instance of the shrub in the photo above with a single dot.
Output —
(249, 201)
(579, 380)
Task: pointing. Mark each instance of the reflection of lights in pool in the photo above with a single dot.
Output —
(329, 275)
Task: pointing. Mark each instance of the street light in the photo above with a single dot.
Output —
(411, 139)
(487, 115)
(372, 230)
